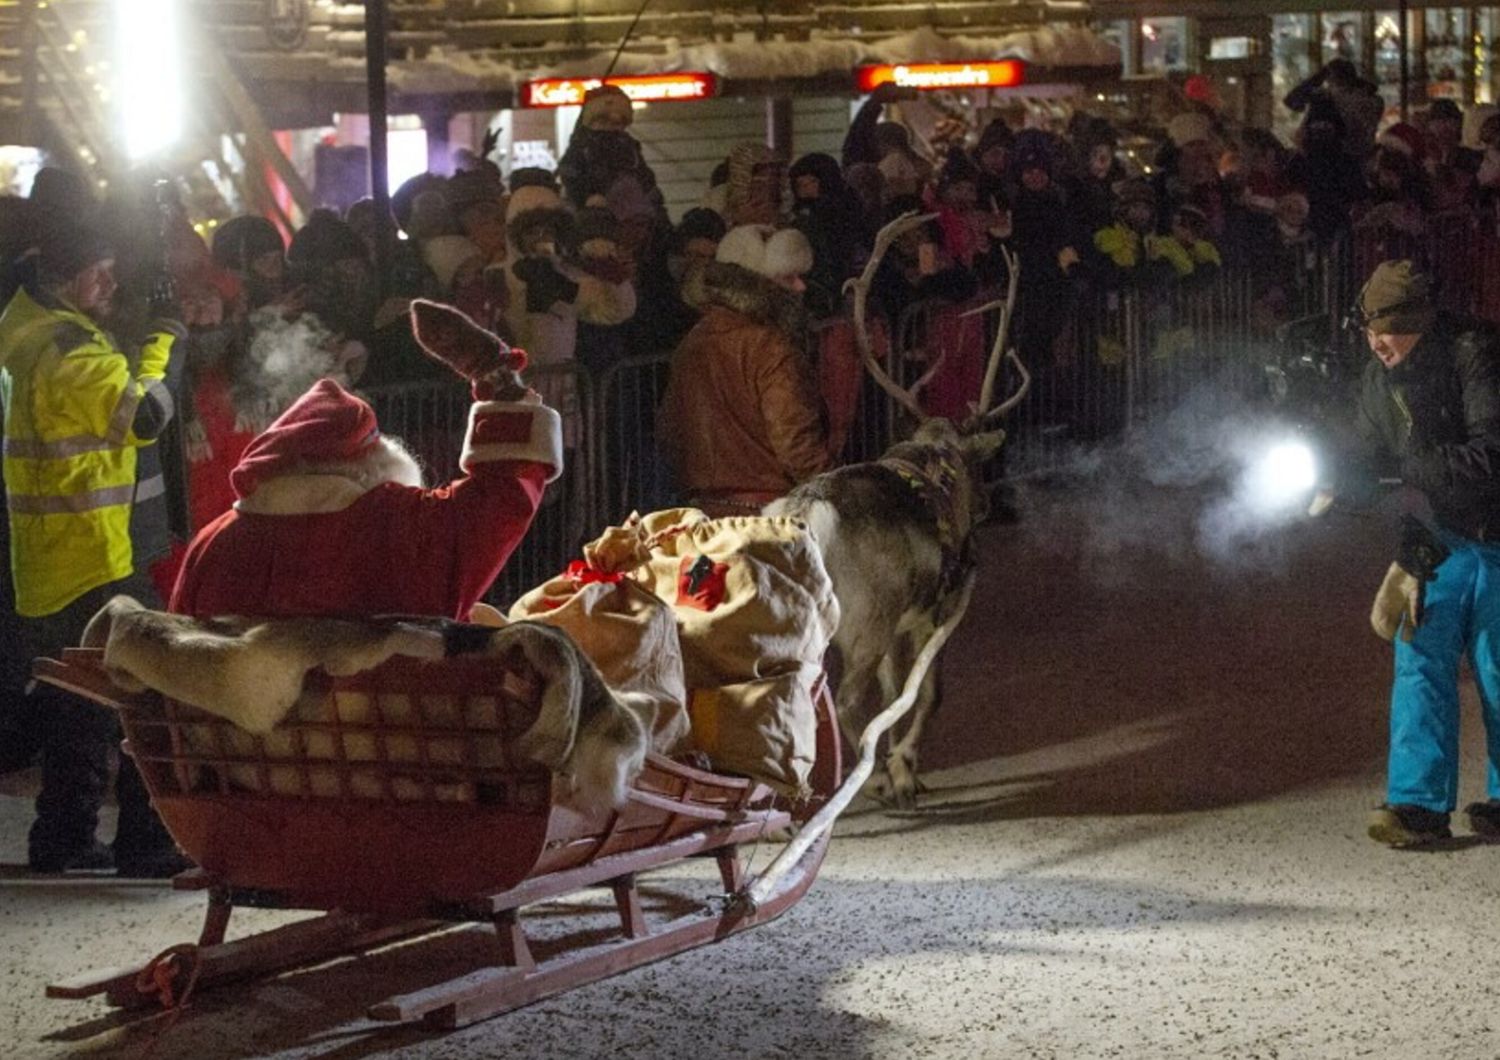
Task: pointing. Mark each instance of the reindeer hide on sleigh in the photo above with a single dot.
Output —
(258, 674)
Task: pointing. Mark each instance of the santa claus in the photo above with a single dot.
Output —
(331, 516)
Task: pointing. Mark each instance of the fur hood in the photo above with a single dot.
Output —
(736, 288)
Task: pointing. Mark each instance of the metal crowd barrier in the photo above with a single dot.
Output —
(1102, 361)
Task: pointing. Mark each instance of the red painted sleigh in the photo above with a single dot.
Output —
(406, 828)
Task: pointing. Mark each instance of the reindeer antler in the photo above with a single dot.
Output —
(860, 285)
(1001, 350)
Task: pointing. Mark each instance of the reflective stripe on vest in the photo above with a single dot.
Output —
(36, 449)
(22, 504)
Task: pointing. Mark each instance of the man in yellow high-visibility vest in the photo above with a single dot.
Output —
(78, 416)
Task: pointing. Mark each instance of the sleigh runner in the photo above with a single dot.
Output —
(421, 815)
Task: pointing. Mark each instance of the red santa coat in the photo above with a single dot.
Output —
(321, 544)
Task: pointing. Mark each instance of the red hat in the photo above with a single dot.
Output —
(1200, 88)
(326, 425)
(1405, 139)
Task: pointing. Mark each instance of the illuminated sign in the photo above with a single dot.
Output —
(650, 88)
(1006, 73)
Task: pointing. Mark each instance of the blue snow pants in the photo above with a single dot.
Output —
(1461, 614)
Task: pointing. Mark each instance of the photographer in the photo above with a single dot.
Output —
(82, 415)
(1429, 408)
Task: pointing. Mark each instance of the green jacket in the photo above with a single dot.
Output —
(1435, 420)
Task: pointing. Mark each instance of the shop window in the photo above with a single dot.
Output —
(1292, 42)
(1388, 56)
(1448, 46)
(1118, 34)
(1344, 36)
(1164, 45)
(1487, 57)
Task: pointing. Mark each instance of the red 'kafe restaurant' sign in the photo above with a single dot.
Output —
(649, 88)
(1006, 73)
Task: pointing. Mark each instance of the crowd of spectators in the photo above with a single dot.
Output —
(583, 267)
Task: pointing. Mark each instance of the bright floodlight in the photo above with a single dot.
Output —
(1285, 475)
(148, 85)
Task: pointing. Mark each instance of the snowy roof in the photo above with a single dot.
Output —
(1046, 46)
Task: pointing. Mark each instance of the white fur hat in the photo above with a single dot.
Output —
(767, 251)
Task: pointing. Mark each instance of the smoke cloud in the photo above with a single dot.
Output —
(1179, 488)
(284, 358)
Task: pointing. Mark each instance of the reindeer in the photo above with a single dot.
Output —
(896, 534)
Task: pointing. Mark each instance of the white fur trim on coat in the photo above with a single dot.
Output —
(544, 445)
(314, 494)
(320, 489)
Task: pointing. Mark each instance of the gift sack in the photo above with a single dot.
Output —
(755, 611)
(630, 635)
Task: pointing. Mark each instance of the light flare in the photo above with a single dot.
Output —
(1285, 475)
(149, 82)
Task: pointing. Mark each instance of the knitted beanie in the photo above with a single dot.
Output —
(1397, 300)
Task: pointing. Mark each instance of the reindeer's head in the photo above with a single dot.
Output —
(946, 447)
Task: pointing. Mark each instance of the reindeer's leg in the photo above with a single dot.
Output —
(859, 688)
(901, 762)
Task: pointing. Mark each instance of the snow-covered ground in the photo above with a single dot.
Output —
(1143, 838)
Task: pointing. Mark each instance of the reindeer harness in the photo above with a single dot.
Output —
(937, 482)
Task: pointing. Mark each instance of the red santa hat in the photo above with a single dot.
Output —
(1405, 139)
(327, 425)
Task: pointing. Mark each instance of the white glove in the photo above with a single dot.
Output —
(1398, 605)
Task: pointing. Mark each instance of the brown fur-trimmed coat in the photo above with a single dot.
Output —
(742, 414)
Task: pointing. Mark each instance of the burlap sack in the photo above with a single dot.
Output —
(630, 635)
(755, 612)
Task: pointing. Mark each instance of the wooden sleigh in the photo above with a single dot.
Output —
(408, 827)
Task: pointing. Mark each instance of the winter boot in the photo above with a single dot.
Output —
(1484, 819)
(1407, 826)
(92, 859)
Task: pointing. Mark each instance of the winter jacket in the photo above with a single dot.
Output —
(77, 413)
(323, 544)
(1437, 416)
(741, 413)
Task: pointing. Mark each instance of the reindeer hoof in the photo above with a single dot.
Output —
(877, 789)
(904, 796)
(904, 783)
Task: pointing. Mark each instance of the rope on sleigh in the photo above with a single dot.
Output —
(766, 885)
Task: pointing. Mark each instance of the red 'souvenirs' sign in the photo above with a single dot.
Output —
(650, 88)
(1006, 73)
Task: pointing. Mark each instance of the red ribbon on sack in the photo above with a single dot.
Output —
(580, 573)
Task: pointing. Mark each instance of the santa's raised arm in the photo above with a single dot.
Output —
(332, 517)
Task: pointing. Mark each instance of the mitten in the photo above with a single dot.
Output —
(447, 335)
(1400, 602)
(1398, 598)
(545, 286)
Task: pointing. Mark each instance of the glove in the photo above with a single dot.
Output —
(1398, 605)
(448, 335)
(545, 286)
(161, 299)
(1400, 601)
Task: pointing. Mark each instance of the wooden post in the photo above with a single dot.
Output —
(375, 60)
(779, 126)
(30, 105)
